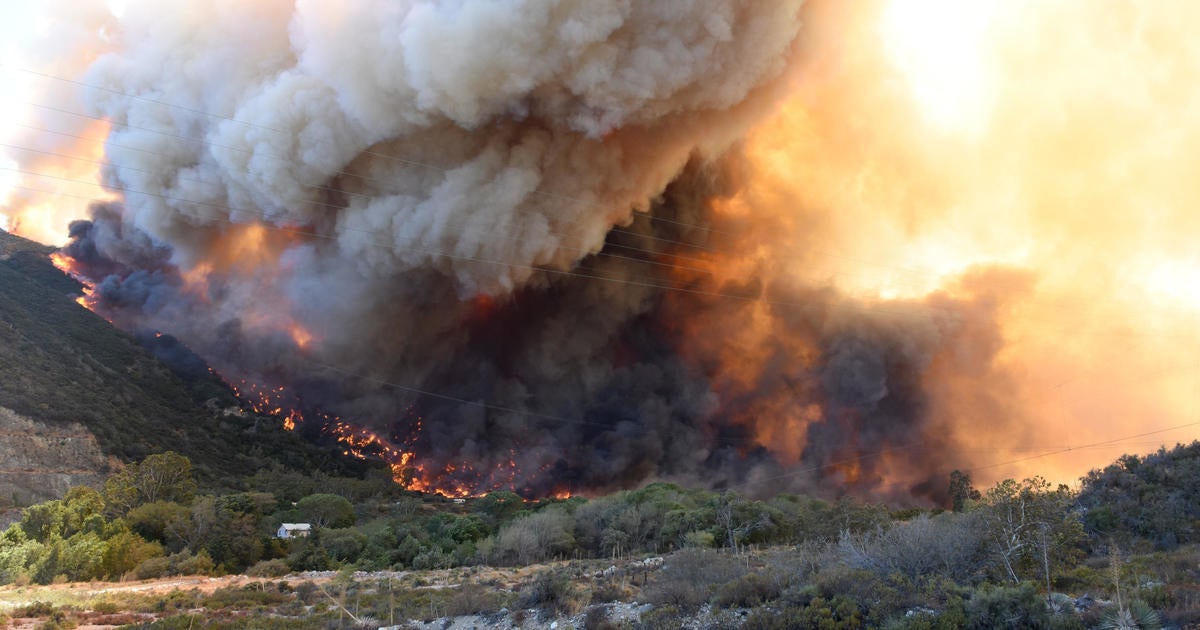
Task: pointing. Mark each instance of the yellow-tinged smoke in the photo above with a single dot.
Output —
(43, 192)
(1056, 138)
(51, 149)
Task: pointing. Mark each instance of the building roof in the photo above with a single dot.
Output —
(300, 526)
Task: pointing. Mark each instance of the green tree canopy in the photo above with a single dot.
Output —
(326, 510)
(160, 477)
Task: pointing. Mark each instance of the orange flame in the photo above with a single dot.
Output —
(300, 335)
(65, 264)
(456, 480)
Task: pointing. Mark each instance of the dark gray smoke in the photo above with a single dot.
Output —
(589, 382)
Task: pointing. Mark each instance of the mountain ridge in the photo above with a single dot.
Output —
(63, 366)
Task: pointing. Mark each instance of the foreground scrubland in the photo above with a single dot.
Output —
(1119, 552)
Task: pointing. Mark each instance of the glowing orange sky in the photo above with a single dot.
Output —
(930, 137)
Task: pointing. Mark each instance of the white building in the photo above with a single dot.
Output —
(293, 530)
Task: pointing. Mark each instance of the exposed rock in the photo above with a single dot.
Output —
(41, 460)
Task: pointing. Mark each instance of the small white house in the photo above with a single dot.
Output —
(293, 530)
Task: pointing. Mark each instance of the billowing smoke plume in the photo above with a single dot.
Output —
(491, 216)
(545, 232)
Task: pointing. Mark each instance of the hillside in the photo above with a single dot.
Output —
(66, 372)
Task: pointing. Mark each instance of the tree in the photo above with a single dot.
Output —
(160, 477)
(126, 550)
(1028, 524)
(499, 507)
(1151, 497)
(41, 521)
(961, 491)
(947, 544)
(326, 510)
(737, 520)
(80, 510)
(536, 537)
(159, 521)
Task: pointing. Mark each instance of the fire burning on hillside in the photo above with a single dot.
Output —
(838, 247)
(452, 480)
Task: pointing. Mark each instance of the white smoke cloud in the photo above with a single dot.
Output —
(480, 139)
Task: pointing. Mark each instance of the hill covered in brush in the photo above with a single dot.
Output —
(70, 377)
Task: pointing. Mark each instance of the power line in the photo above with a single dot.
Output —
(1068, 449)
(922, 445)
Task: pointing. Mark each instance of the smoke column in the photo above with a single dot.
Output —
(757, 245)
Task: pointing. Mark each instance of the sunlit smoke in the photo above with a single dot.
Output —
(984, 134)
(943, 49)
(50, 147)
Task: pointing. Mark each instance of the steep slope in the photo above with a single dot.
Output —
(66, 372)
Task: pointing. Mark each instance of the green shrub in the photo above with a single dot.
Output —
(249, 596)
(58, 620)
(34, 609)
(432, 559)
(746, 591)
(610, 591)
(151, 568)
(268, 568)
(474, 599)
(552, 592)
(343, 545)
(1007, 607)
(689, 578)
(173, 601)
(950, 618)
(597, 619)
(311, 556)
(1158, 597)
(1083, 579)
(106, 608)
(700, 540)
(185, 563)
(765, 619)
(666, 617)
(839, 613)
